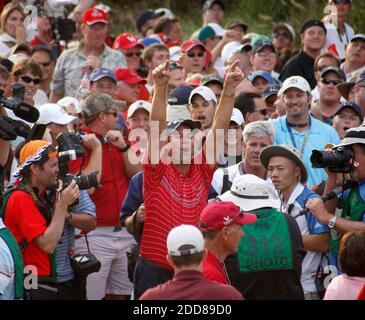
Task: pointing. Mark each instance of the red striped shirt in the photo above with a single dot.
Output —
(171, 200)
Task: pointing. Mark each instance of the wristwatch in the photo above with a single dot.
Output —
(332, 222)
(68, 217)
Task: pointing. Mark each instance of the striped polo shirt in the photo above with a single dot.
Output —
(171, 199)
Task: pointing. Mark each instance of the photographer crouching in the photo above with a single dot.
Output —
(35, 214)
(346, 211)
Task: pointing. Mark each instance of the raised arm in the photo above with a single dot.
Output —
(161, 76)
(223, 112)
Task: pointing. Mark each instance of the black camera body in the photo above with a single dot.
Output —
(84, 181)
(84, 264)
(339, 161)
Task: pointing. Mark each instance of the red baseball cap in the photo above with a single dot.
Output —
(126, 41)
(127, 76)
(94, 15)
(190, 44)
(220, 214)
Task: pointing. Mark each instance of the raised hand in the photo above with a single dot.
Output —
(233, 78)
(161, 74)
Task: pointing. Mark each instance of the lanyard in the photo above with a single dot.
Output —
(339, 35)
(304, 140)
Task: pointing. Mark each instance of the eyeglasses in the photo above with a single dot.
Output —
(266, 54)
(131, 54)
(115, 113)
(329, 81)
(27, 79)
(263, 112)
(193, 55)
(285, 35)
(45, 64)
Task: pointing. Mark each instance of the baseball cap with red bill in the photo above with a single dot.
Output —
(127, 76)
(126, 41)
(94, 15)
(190, 44)
(220, 214)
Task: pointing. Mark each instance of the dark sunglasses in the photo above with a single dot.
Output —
(27, 79)
(329, 81)
(131, 54)
(285, 35)
(263, 112)
(193, 55)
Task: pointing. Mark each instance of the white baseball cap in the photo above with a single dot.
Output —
(205, 92)
(175, 53)
(297, 82)
(219, 31)
(185, 240)
(66, 101)
(139, 104)
(54, 113)
(229, 49)
(237, 117)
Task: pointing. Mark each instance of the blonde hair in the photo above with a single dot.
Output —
(8, 9)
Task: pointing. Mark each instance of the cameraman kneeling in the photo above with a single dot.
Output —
(35, 217)
(352, 217)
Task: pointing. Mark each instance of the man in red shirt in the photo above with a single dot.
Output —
(28, 214)
(185, 245)
(176, 185)
(109, 241)
(221, 224)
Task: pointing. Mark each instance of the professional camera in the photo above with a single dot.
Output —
(70, 148)
(340, 160)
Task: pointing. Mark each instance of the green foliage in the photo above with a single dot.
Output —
(259, 14)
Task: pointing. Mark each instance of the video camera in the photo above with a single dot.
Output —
(70, 148)
(11, 128)
(340, 160)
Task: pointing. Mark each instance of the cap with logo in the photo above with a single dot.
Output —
(261, 44)
(191, 124)
(338, 71)
(190, 44)
(284, 151)
(271, 91)
(313, 23)
(350, 105)
(220, 214)
(94, 15)
(94, 104)
(139, 105)
(297, 82)
(100, 73)
(54, 113)
(206, 93)
(249, 192)
(126, 41)
(209, 3)
(128, 77)
(184, 240)
(180, 96)
(211, 30)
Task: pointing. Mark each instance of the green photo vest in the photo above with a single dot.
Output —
(266, 244)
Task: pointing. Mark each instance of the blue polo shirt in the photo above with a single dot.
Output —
(320, 134)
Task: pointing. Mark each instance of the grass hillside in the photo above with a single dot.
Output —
(259, 14)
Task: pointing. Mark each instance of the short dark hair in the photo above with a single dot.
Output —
(4, 73)
(188, 260)
(352, 254)
(329, 55)
(245, 102)
(42, 49)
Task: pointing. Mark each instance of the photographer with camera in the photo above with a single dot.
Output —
(347, 157)
(35, 214)
(71, 285)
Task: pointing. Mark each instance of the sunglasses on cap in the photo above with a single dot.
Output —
(27, 79)
(329, 81)
(193, 55)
